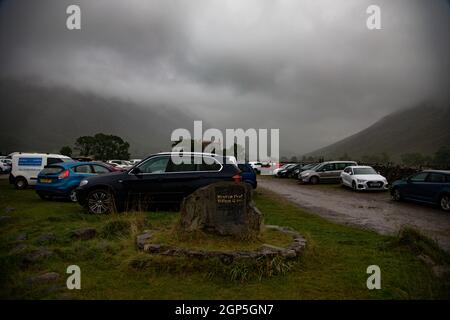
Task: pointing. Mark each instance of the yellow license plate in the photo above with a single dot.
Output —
(46, 180)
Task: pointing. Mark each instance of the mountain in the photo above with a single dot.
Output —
(43, 119)
(420, 129)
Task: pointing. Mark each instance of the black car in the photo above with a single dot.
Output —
(289, 172)
(157, 179)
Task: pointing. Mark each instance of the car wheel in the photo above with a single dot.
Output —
(100, 201)
(445, 202)
(354, 185)
(73, 196)
(21, 183)
(396, 195)
(314, 180)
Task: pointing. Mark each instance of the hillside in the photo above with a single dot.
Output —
(422, 129)
(44, 119)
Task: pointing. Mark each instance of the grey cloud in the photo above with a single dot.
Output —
(310, 68)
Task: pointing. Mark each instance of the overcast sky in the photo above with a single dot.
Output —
(310, 68)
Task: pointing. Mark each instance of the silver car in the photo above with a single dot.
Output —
(329, 171)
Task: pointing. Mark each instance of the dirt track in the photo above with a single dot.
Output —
(375, 211)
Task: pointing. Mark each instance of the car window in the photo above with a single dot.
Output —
(244, 167)
(182, 167)
(51, 170)
(420, 177)
(328, 167)
(436, 177)
(341, 166)
(100, 169)
(210, 165)
(83, 169)
(54, 160)
(154, 165)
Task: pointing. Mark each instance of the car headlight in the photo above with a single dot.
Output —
(83, 182)
(305, 174)
(360, 180)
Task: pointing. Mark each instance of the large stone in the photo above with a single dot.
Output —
(142, 239)
(224, 208)
(43, 278)
(37, 255)
(46, 239)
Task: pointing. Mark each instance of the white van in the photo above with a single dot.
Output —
(26, 167)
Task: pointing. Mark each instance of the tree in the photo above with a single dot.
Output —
(110, 147)
(441, 158)
(103, 147)
(413, 159)
(66, 151)
(85, 145)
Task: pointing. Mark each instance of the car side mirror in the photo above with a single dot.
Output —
(135, 170)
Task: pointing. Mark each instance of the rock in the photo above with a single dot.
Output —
(152, 247)
(43, 278)
(22, 237)
(270, 248)
(46, 238)
(142, 238)
(223, 208)
(37, 255)
(83, 234)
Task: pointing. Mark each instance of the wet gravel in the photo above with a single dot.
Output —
(371, 210)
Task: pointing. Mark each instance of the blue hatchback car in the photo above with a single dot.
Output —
(248, 174)
(429, 186)
(61, 179)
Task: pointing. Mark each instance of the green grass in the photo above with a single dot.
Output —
(333, 266)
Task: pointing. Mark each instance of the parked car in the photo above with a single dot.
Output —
(124, 164)
(283, 167)
(157, 179)
(329, 171)
(5, 165)
(304, 168)
(134, 161)
(363, 178)
(61, 180)
(26, 167)
(248, 174)
(289, 171)
(429, 186)
(256, 166)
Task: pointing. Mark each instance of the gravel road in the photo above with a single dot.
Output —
(371, 210)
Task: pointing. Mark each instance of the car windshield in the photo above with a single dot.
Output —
(51, 170)
(309, 166)
(364, 171)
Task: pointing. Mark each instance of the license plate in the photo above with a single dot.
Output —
(46, 180)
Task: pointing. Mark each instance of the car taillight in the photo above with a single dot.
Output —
(64, 174)
(237, 178)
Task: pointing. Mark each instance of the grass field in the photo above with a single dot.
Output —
(332, 267)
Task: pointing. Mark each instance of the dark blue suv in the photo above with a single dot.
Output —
(248, 174)
(429, 186)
